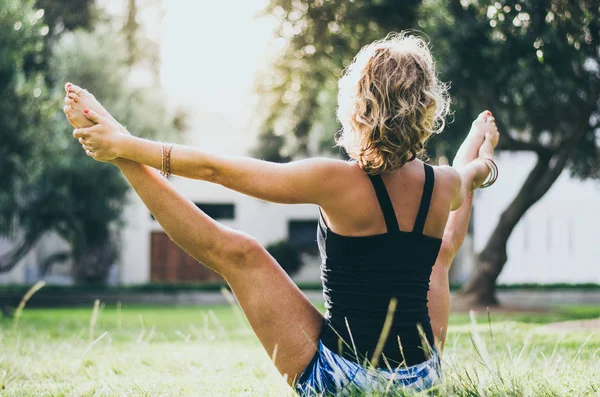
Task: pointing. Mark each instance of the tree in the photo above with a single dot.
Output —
(299, 93)
(99, 61)
(21, 100)
(537, 66)
(53, 186)
(534, 64)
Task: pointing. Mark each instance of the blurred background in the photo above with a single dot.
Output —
(259, 78)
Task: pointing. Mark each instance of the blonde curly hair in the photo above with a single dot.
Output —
(390, 103)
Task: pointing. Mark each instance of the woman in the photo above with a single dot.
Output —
(383, 216)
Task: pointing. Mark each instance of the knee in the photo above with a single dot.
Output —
(247, 250)
(240, 250)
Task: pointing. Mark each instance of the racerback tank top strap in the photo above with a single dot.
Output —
(389, 215)
(425, 200)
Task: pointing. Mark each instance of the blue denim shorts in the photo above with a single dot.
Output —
(328, 374)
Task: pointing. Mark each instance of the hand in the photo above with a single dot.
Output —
(103, 140)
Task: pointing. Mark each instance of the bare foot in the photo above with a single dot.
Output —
(469, 150)
(489, 144)
(76, 101)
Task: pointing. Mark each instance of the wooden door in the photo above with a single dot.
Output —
(171, 264)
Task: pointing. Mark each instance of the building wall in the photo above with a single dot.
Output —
(267, 222)
(17, 274)
(557, 239)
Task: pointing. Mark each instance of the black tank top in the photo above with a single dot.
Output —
(361, 275)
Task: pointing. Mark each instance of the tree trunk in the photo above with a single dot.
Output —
(481, 288)
(11, 258)
(92, 264)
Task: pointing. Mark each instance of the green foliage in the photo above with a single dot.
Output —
(67, 15)
(98, 61)
(287, 255)
(299, 93)
(24, 108)
(53, 186)
(534, 64)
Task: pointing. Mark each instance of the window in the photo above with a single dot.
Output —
(216, 210)
(303, 235)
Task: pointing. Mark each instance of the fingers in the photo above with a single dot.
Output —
(80, 133)
(84, 132)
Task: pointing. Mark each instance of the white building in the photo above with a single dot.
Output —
(555, 242)
(557, 239)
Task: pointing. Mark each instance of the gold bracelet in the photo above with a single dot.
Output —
(168, 161)
(162, 158)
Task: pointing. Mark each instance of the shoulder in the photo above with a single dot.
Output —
(449, 178)
(324, 165)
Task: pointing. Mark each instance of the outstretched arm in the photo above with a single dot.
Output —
(306, 181)
(316, 181)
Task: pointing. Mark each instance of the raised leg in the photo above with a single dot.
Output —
(454, 235)
(439, 284)
(285, 321)
(282, 317)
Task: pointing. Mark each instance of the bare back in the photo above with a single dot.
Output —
(356, 211)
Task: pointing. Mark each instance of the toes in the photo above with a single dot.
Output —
(73, 96)
(68, 87)
(484, 115)
(77, 90)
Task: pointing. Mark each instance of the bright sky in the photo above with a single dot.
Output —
(211, 53)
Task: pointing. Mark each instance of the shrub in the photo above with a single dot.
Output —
(287, 255)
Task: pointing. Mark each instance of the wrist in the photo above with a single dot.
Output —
(123, 144)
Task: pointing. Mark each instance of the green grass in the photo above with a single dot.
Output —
(210, 351)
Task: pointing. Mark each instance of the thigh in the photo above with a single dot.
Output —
(285, 321)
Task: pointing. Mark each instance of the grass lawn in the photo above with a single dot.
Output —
(210, 351)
